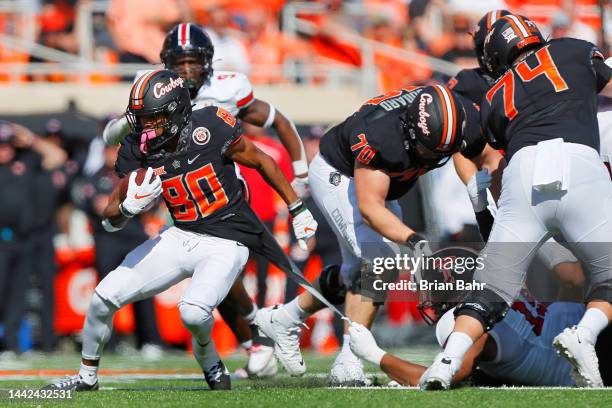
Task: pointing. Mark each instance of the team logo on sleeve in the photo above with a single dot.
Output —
(201, 135)
(335, 178)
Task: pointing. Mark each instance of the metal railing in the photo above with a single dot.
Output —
(83, 64)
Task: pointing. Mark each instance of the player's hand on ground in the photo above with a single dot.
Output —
(140, 196)
(300, 186)
(477, 189)
(363, 345)
(304, 227)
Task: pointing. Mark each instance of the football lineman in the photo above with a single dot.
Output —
(189, 157)
(542, 111)
(473, 84)
(365, 164)
(188, 50)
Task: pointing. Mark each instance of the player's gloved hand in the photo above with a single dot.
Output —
(477, 189)
(363, 345)
(140, 197)
(300, 186)
(419, 245)
(304, 224)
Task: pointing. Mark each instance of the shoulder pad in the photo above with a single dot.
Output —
(237, 84)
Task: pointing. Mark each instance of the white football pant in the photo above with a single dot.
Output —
(334, 194)
(581, 212)
(157, 264)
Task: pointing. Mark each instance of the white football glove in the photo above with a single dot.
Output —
(477, 189)
(140, 197)
(363, 345)
(300, 186)
(304, 227)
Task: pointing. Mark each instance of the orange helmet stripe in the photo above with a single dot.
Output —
(448, 107)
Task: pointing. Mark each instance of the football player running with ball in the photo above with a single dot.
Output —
(188, 51)
(189, 157)
(542, 111)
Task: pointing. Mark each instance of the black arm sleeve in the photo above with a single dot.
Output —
(474, 141)
(485, 221)
(603, 73)
(128, 159)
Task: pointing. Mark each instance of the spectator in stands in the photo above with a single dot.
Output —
(138, 27)
(230, 51)
(461, 51)
(111, 248)
(57, 31)
(50, 194)
(394, 72)
(23, 156)
(564, 24)
(268, 47)
(425, 18)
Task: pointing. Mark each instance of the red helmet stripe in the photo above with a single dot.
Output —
(184, 34)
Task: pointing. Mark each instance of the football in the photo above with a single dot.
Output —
(123, 186)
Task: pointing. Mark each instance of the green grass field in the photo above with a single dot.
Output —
(175, 382)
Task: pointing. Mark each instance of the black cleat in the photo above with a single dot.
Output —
(218, 378)
(73, 383)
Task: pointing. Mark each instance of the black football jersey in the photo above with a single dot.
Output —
(551, 94)
(374, 136)
(199, 182)
(471, 83)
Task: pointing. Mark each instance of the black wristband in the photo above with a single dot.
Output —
(296, 207)
(125, 212)
(485, 222)
(415, 239)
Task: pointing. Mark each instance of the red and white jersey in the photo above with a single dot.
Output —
(525, 354)
(229, 90)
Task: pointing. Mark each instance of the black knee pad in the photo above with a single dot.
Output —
(600, 292)
(331, 285)
(362, 283)
(486, 306)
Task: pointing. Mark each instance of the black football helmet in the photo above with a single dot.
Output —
(433, 126)
(482, 29)
(509, 37)
(189, 40)
(445, 266)
(161, 98)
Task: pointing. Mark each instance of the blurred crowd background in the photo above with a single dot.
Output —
(56, 173)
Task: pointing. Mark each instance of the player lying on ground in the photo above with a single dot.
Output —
(542, 111)
(190, 163)
(513, 353)
(367, 163)
(188, 50)
(517, 351)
